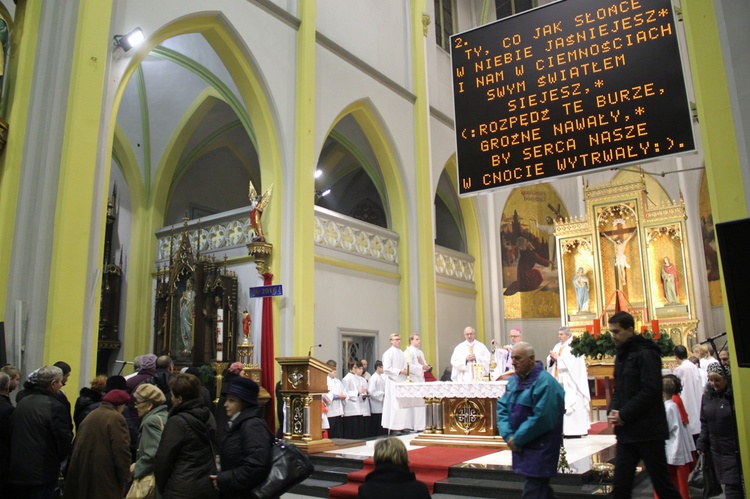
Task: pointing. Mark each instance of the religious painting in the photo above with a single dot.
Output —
(529, 252)
(620, 252)
(578, 271)
(709, 244)
(669, 293)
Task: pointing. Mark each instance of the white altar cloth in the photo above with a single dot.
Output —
(410, 394)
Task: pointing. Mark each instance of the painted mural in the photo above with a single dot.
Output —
(531, 285)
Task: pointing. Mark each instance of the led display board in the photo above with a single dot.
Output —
(568, 88)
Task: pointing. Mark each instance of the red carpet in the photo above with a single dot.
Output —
(429, 463)
(601, 427)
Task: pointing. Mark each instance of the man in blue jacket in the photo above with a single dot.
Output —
(530, 420)
(637, 410)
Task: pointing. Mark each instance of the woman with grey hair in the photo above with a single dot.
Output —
(40, 434)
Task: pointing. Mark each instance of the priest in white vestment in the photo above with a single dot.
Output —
(502, 354)
(417, 368)
(394, 367)
(467, 354)
(570, 372)
(691, 378)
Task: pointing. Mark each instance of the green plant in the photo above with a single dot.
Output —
(585, 344)
(594, 348)
(666, 345)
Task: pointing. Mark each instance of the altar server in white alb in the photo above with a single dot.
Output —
(395, 418)
(467, 354)
(570, 372)
(334, 401)
(417, 368)
(376, 394)
(356, 406)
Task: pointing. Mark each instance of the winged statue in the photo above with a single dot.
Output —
(258, 203)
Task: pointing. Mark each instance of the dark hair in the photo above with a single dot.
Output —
(331, 363)
(677, 384)
(64, 366)
(185, 386)
(378, 363)
(680, 352)
(624, 319)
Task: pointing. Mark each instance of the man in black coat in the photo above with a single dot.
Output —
(6, 410)
(637, 410)
(40, 436)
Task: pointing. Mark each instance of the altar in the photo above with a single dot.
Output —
(456, 414)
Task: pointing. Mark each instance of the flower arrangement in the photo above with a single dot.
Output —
(599, 346)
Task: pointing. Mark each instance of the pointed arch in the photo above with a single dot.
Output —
(240, 64)
(390, 167)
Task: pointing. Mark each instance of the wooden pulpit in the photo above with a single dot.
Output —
(303, 382)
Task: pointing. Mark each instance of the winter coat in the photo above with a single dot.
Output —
(220, 411)
(100, 464)
(185, 458)
(88, 400)
(390, 480)
(40, 438)
(6, 410)
(718, 434)
(149, 437)
(245, 454)
(531, 413)
(637, 392)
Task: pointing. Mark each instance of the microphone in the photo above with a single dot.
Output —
(713, 338)
(309, 351)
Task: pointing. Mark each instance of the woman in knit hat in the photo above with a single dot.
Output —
(718, 437)
(246, 450)
(150, 404)
(99, 466)
(231, 373)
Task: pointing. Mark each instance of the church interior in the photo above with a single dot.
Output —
(284, 173)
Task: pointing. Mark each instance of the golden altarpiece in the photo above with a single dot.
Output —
(195, 312)
(629, 249)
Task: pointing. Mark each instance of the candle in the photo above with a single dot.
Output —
(590, 329)
(655, 328)
(597, 329)
(644, 329)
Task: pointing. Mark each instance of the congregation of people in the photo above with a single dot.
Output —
(160, 428)
(155, 430)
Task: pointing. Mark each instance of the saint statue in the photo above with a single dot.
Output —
(246, 322)
(621, 260)
(581, 285)
(258, 203)
(187, 302)
(669, 281)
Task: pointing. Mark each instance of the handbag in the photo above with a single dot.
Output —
(143, 488)
(703, 477)
(289, 466)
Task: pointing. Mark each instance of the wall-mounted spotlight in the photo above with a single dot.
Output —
(322, 194)
(130, 40)
(318, 173)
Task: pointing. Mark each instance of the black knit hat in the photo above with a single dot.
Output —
(244, 389)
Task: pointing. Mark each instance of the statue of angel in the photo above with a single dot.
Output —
(257, 205)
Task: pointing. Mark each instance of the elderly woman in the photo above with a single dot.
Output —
(185, 457)
(150, 403)
(99, 466)
(391, 476)
(719, 431)
(246, 450)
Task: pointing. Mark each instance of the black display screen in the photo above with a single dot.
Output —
(568, 88)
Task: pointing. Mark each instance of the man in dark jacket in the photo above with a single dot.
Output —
(530, 420)
(6, 410)
(40, 437)
(637, 410)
